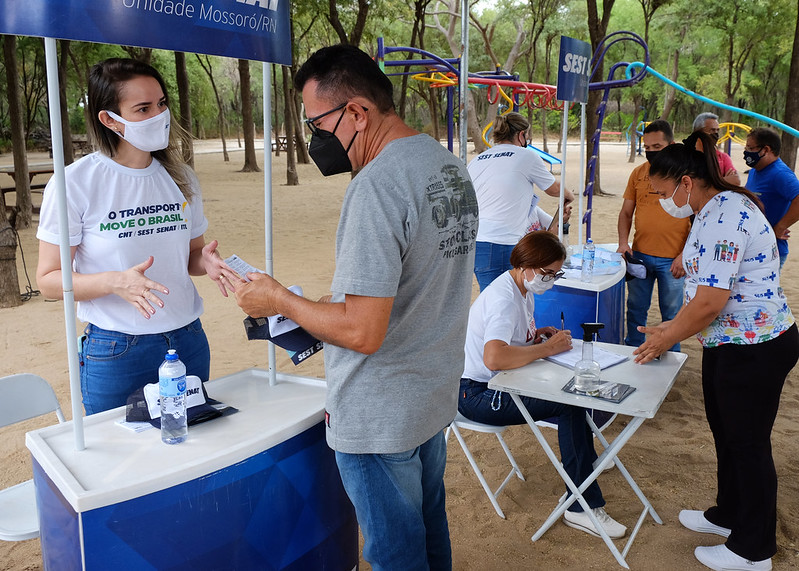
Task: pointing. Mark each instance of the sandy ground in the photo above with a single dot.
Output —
(671, 456)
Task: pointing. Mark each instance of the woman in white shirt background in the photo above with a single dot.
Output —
(136, 227)
(502, 334)
(504, 177)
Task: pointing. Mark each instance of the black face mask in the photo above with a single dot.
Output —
(751, 158)
(650, 155)
(715, 137)
(328, 153)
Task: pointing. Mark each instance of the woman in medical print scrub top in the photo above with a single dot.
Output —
(736, 308)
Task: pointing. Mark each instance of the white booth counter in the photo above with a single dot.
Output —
(257, 489)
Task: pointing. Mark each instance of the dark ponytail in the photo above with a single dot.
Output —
(683, 159)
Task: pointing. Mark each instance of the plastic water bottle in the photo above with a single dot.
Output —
(589, 253)
(172, 389)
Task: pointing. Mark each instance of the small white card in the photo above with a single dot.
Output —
(241, 267)
(134, 426)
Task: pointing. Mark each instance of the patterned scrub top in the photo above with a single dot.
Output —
(732, 246)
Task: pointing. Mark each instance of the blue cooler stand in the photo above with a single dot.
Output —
(258, 489)
(598, 301)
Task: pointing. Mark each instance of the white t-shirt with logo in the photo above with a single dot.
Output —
(118, 217)
(503, 178)
(500, 312)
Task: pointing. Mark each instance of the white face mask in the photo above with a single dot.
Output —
(683, 211)
(538, 285)
(149, 135)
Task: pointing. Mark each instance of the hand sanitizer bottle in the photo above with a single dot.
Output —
(586, 371)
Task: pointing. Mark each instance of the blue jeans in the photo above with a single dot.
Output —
(639, 296)
(399, 502)
(491, 261)
(576, 441)
(113, 364)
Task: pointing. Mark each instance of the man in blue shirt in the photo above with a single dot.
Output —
(773, 182)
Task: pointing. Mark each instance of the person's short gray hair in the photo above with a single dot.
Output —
(699, 122)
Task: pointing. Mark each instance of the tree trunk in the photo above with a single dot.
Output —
(66, 130)
(291, 166)
(24, 207)
(789, 142)
(597, 29)
(301, 149)
(209, 71)
(9, 280)
(671, 93)
(250, 162)
(182, 78)
(356, 33)
(633, 136)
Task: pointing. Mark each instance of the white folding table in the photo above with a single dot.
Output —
(545, 380)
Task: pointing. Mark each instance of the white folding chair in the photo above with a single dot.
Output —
(461, 422)
(22, 397)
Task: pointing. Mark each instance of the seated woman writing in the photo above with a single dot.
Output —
(501, 334)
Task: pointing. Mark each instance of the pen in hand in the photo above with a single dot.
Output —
(562, 324)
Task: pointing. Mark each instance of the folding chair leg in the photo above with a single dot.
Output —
(492, 495)
(516, 468)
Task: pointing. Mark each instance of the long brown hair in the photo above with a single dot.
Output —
(105, 83)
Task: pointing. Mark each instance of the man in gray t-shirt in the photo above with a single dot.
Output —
(395, 325)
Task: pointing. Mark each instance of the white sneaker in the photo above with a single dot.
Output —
(695, 520)
(581, 521)
(720, 558)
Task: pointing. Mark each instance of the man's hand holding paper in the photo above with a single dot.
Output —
(259, 297)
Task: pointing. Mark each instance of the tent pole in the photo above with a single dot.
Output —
(57, 142)
(463, 80)
(269, 261)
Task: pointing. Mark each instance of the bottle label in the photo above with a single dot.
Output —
(172, 386)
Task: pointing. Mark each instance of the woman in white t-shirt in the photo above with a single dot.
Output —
(736, 308)
(503, 178)
(501, 334)
(136, 227)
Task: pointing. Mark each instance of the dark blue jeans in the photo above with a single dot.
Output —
(400, 503)
(479, 403)
(490, 261)
(113, 364)
(639, 296)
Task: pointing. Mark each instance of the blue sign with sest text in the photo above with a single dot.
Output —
(574, 70)
(243, 29)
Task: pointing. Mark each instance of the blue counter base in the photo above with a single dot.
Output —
(282, 509)
(584, 306)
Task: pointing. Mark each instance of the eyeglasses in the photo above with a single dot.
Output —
(752, 150)
(548, 276)
(311, 122)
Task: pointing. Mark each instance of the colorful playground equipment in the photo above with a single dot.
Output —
(444, 72)
(635, 68)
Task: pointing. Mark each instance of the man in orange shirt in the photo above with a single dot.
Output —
(658, 241)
